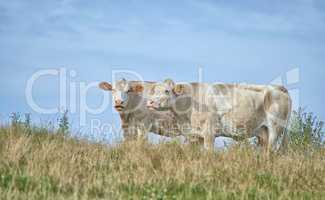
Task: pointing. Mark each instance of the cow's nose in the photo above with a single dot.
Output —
(118, 102)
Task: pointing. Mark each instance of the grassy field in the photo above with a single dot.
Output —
(38, 164)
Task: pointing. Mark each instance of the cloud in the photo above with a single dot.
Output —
(279, 18)
(75, 17)
(36, 18)
(143, 28)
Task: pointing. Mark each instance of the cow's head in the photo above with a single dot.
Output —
(121, 92)
(162, 95)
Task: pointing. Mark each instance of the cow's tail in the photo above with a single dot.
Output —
(285, 140)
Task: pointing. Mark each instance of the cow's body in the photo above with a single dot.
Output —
(233, 110)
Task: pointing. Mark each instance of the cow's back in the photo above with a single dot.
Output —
(238, 108)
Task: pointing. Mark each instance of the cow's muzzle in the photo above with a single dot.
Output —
(119, 107)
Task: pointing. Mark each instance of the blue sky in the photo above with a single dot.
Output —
(252, 41)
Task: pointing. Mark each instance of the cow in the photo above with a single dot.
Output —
(136, 119)
(238, 111)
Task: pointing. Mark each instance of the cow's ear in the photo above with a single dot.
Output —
(138, 88)
(179, 89)
(105, 86)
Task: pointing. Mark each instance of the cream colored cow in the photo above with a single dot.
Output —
(136, 119)
(238, 111)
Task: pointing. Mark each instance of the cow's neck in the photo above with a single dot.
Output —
(182, 109)
(135, 107)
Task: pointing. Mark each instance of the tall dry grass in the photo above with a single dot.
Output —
(45, 165)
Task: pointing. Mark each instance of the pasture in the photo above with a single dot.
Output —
(36, 163)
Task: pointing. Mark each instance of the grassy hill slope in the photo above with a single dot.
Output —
(39, 164)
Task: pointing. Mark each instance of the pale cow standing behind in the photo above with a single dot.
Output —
(136, 119)
(238, 111)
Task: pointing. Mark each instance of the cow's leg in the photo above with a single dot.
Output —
(129, 133)
(284, 141)
(208, 133)
(272, 137)
(281, 140)
(262, 138)
(209, 142)
(141, 133)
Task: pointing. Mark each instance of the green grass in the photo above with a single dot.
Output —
(44, 165)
